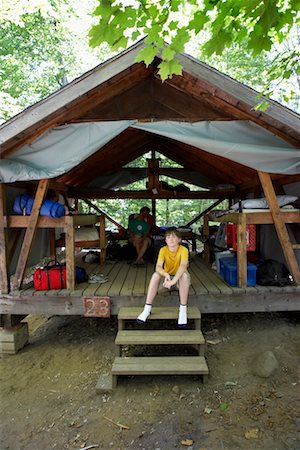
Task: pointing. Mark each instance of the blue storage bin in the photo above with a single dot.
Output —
(230, 273)
(223, 261)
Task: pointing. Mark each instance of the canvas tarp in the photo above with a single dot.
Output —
(62, 148)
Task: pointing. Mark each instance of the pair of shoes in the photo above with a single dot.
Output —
(97, 278)
(138, 264)
(182, 326)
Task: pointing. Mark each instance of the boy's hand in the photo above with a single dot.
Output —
(168, 282)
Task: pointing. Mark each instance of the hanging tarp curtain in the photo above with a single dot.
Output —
(62, 148)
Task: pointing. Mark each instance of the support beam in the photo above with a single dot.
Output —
(4, 277)
(280, 226)
(30, 233)
(107, 216)
(195, 219)
(162, 194)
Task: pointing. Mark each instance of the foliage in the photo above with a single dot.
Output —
(258, 25)
(42, 47)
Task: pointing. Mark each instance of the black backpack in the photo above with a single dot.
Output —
(273, 273)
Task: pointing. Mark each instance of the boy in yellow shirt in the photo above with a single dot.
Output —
(172, 263)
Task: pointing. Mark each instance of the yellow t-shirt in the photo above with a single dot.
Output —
(172, 260)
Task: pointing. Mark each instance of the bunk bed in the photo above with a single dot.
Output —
(68, 224)
(242, 219)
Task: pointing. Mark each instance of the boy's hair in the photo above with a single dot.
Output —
(172, 231)
(145, 208)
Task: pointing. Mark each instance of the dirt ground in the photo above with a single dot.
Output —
(48, 397)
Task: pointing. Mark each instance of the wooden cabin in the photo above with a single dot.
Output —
(79, 141)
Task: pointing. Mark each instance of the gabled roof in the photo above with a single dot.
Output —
(121, 89)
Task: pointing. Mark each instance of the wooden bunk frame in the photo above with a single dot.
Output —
(68, 224)
(275, 216)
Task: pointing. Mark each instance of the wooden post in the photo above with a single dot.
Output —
(102, 240)
(70, 252)
(4, 276)
(153, 201)
(153, 174)
(206, 239)
(30, 233)
(280, 226)
(242, 251)
(52, 247)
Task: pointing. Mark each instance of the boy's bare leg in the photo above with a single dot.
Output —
(141, 250)
(152, 291)
(184, 284)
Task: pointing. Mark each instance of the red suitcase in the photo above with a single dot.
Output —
(53, 276)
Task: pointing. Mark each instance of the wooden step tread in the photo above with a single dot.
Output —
(158, 312)
(157, 337)
(160, 365)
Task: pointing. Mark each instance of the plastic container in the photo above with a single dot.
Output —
(231, 236)
(230, 272)
(221, 255)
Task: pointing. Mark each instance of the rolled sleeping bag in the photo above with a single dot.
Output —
(49, 208)
(52, 209)
(20, 203)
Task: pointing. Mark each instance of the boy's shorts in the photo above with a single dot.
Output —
(176, 286)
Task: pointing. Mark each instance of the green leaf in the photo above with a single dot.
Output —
(168, 53)
(198, 22)
(147, 55)
(179, 41)
(262, 106)
(170, 68)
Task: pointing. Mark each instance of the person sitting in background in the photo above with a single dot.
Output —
(139, 234)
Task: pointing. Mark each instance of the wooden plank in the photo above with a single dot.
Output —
(210, 285)
(140, 287)
(159, 337)
(103, 289)
(158, 313)
(196, 282)
(70, 252)
(162, 194)
(127, 288)
(280, 226)
(102, 239)
(30, 233)
(216, 278)
(242, 251)
(261, 217)
(4, 276)
(42, 222)
(160, 365)
(119, 281)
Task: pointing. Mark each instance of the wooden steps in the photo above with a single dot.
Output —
(160, 365)
(161, 333)
(159, 337)
(158, 313)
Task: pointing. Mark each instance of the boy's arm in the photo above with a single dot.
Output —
(159, 269)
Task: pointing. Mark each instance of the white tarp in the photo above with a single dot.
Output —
(59, 150)
(62, 148)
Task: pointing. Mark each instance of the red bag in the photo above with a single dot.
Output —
(53, 276)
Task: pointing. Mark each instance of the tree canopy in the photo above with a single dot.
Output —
(256, 25)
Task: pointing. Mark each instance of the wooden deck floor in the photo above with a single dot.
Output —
(127, 286)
